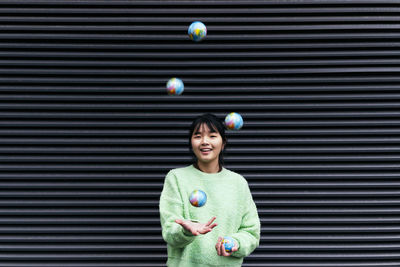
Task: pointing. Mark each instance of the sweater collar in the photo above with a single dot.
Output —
(211, 175)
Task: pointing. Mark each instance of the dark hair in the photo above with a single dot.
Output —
(215, 124)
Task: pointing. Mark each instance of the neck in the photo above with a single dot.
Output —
(211, 167)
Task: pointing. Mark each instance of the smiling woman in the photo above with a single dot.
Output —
(194, 197)
(207, 142)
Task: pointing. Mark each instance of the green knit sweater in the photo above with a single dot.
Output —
(228, 198)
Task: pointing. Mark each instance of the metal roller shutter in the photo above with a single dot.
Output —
(87, 131)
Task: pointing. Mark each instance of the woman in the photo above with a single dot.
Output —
(191, 231)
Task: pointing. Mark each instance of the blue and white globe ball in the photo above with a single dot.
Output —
(198, 198)
(197, 31)
(228, 243)
(175, 86)
(233, 121)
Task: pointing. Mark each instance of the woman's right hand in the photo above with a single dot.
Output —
(197, 228)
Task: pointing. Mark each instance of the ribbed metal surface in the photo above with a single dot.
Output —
(87, 131)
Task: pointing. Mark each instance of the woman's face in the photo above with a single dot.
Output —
(206, 145)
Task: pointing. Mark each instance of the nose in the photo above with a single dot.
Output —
(204, 141)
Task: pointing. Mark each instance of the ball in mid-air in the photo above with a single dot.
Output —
(175, 86)
(198, 198)
(228, 243)
(234, 121)
(197, 31)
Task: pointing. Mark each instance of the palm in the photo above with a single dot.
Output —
(201, 228)
(196, 227)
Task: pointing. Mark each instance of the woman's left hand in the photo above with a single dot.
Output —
(221, 248)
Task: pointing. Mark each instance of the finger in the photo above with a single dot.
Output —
(217, 246)
(221, 247)
(223, 252)
(213, 225)
(203, 231)
(227, 254)
(208, 229)
(210, 221)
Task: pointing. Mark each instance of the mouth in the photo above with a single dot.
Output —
(205, 151)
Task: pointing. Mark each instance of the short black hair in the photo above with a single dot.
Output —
(216, 125)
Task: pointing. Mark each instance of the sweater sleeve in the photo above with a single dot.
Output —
(248, 235)
(171, 208)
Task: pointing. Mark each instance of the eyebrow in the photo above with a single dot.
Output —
(198, 132)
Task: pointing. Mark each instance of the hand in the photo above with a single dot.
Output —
(221, 248)
(197, 228)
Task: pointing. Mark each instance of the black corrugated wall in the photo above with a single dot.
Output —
(88, 132)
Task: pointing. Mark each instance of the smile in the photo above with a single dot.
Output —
(205, 151)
